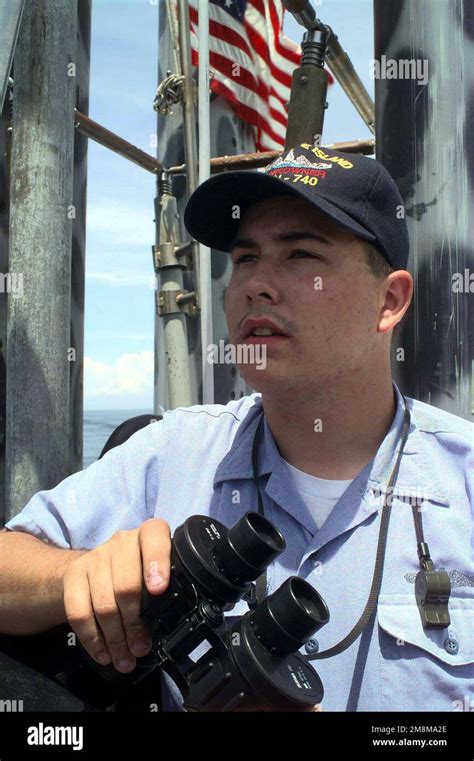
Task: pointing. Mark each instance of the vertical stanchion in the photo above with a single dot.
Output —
(38, 422)
(424, 82)
(205, 277)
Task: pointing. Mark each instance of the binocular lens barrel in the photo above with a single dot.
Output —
(249, 548)
(289, 617)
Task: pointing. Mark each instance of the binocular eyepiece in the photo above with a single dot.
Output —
(248, 548)
(286, 620)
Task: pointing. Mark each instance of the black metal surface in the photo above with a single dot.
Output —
(424, 138)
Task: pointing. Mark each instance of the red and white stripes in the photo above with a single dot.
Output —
(252, 63)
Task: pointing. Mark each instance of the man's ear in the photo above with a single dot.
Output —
(397, 292)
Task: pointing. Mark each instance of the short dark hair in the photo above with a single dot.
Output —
(377, 264)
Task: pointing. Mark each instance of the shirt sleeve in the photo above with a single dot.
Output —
(117, 492)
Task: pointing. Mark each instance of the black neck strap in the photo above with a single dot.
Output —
(261, 590)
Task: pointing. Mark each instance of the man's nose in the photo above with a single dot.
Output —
(263, 282)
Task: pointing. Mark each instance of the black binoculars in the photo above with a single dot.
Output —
(254, 659)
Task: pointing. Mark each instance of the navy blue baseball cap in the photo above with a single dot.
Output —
(353, 190)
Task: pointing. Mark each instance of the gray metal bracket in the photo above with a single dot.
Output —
(173, 301)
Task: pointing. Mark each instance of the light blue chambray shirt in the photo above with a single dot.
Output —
(197, 460)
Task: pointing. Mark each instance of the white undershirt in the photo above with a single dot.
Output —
(319, 494)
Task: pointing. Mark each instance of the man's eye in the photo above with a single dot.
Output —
(304, 253)
(242, 258)
(299, 253)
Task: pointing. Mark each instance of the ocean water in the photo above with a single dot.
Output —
(98, 425)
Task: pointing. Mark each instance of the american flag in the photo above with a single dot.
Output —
(252, 62)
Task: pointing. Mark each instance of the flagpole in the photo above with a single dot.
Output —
(205, 277)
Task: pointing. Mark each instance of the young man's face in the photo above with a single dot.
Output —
(319, 291)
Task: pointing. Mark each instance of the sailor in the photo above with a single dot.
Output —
(319, 249)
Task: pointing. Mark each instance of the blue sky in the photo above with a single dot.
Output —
(119, 305)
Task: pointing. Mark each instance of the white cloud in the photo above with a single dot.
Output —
(119, 239)
(126, 224)
(129, 374)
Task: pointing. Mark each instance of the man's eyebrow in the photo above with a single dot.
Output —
(292, 235)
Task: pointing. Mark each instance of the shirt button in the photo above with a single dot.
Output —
(312, 646)
(451, 645)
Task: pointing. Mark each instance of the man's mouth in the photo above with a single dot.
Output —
(264, 336)
(261, 331)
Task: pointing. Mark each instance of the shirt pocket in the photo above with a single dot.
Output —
(419, 670)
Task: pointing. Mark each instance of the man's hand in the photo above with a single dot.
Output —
(102, 592)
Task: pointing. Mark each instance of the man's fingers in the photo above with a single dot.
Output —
(79, 613)
(155, 546)
(103, 592)
(127, 584)
(108, 616)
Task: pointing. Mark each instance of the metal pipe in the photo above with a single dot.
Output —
(170, 145)
(337, 60)
(260, 159)
(38, 422)
(205, 277)
(110, 140)
(170, 274)
(309, 86)
(186, 298)
(303, 12)
(171, 334)
(339, 63)
(189, 119)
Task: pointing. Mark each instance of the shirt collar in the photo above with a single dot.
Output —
(237, 463)
(417, 474)
(416, 470)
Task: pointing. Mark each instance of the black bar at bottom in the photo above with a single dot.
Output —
(374, 735)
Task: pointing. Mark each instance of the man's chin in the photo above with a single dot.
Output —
(264, 381)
